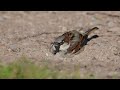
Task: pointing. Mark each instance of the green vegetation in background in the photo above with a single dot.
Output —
(24, 69)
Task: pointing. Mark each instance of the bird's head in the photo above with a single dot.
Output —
(56, 46)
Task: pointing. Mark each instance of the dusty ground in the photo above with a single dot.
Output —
(30, 34)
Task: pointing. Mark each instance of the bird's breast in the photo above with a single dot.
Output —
(65, 46)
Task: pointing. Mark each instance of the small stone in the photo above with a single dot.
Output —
(14, 48)
(47, 54)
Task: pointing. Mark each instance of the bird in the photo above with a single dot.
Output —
(71, 41)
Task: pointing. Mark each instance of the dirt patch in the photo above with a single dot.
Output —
(30, 34)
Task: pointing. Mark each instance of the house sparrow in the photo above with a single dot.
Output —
(71, 41)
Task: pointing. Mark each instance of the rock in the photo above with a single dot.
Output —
(14, 48)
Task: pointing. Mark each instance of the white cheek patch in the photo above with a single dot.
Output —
(53, 47)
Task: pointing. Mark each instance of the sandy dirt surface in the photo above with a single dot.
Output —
(30, 34)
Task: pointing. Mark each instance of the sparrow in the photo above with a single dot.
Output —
(71, 41)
